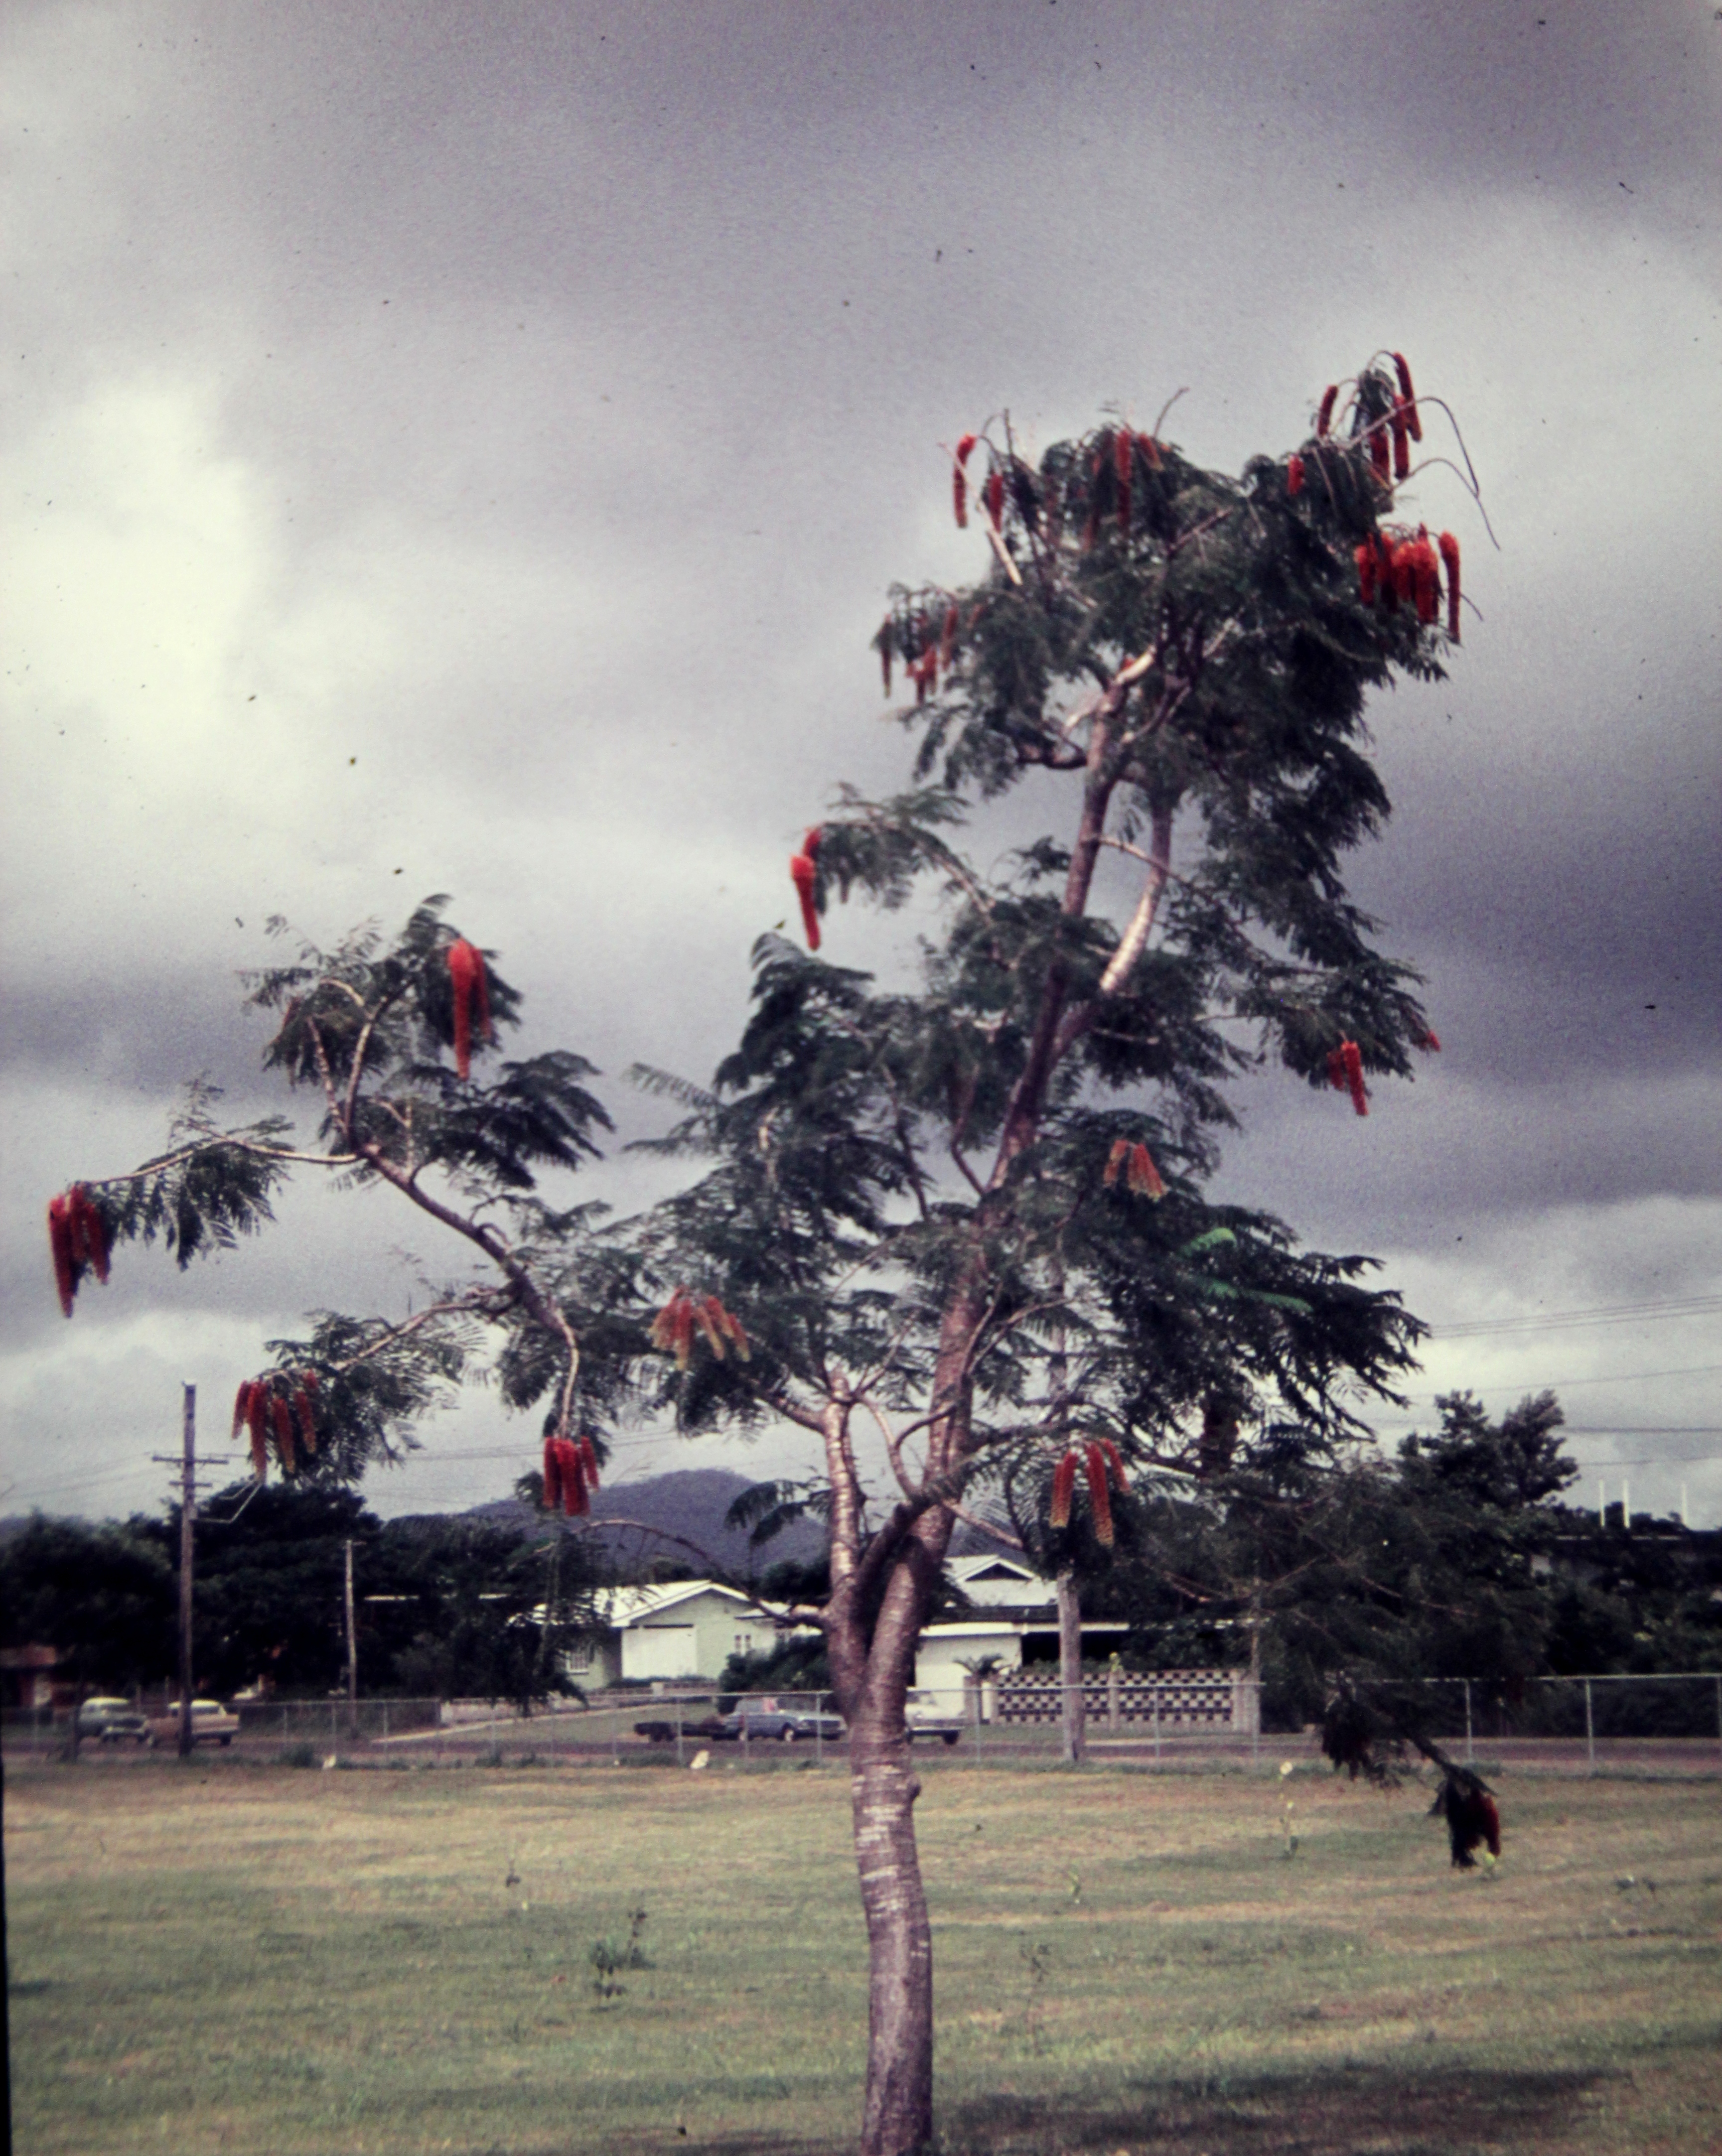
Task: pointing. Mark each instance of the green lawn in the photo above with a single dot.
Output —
(230, 1957)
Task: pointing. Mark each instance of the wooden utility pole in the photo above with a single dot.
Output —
(187, 1520)
(352, 1654)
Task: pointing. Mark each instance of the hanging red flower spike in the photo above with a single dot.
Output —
(802, 874)
(1099, 1496)
(466, 973)
(1324, 418)
(59, 1245)
(1115, 1161)
(553, 1476)
(1150, 449)
(996, 497)
(1409, 394)
(1351, 1065)
(1336, 1070)
(1401, 440)
(1425, 576)
(1294, 476)
(1114, 1461)
(589, 1457)
(1365, 556)
(308, 1421)
(1429, 1041)
(1380, 453)
(673, 1327)
(1450, 562)
(1064, 1481)
(1145, 1178)
(960, 486)
(572, 1476)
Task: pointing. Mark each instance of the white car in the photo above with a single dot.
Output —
(933, 1714)
(112, 1720)
(211, 1723)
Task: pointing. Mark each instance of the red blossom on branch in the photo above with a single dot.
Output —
(1143, 1177)
(466, 974)
(1294, 476)
(959, 488)
(1450, 562)
(1324, 418)
(1410, 395)
(77, 1243)
(1064, 1481)
(1401, 440)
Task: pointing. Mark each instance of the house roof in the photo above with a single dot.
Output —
(622, 1608)
(992, 1580)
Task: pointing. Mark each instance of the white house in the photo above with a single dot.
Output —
(1016, 1619)
(684, 1628)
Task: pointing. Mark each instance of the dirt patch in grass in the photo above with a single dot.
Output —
(1355, 2112)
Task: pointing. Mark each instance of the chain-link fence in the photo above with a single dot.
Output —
(1669, 1720)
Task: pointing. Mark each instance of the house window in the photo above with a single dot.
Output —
(577, 1657)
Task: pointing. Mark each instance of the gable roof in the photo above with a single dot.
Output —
(993, 1580)
(622, 1608)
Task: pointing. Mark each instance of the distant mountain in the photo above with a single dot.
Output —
(678, 1517)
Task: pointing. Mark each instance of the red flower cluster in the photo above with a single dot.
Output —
(1397, 565)
(570, 1474)
(1345, 1075)
(270, 1408)
(993, 494)
(673, 1327)
(802, 874)
(77, 1242)
(1294, 476)
(466, 973)
(1104, 1469)
(1324, 418)
(1136, 1165)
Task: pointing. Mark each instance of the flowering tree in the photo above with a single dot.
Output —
(959, 1224)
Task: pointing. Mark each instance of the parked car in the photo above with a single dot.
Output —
(707, 1726)
(930, 1714)
(787, 1724)
(114, 1721)
(211, 1723)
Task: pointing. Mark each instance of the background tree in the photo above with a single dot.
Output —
(103, 1596)
(964, 1215)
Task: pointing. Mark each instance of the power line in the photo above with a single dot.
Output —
(1616, 1313)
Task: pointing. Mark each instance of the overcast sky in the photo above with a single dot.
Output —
(466, 449)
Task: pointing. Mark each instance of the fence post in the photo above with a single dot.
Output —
(1112, 1695)
(1590, 1729)
(1470, 1756)
(1157, 1724)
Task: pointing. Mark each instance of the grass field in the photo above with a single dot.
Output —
(225, 1956)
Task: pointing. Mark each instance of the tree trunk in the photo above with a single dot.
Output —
(897, 2118)
(1072, 1719)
